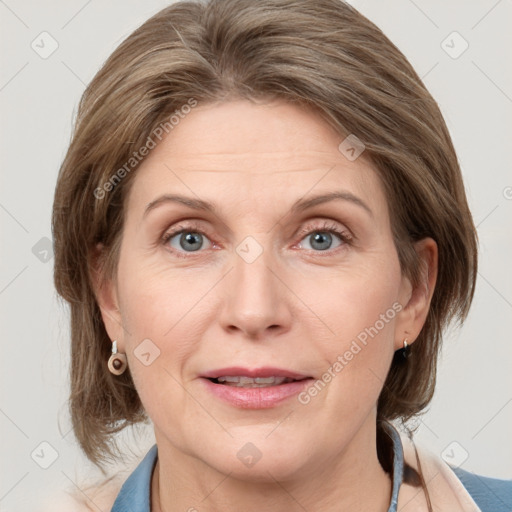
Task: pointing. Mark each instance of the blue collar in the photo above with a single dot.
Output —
(398, 464)
(135, 493)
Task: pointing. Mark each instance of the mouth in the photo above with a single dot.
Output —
(243, 381)
(255, 388)
(240, 377)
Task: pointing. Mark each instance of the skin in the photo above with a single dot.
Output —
(295, 306)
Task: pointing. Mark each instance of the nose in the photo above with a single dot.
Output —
(257, 300)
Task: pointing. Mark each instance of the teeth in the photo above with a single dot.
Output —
(249, 382)
(228, 379)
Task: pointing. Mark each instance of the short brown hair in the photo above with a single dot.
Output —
(322, 54)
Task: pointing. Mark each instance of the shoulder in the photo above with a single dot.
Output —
(456, 489)
(90, 498)
(490, 494)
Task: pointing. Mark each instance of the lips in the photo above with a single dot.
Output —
(259, 388)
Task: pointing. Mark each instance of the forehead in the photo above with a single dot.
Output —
(239, 152)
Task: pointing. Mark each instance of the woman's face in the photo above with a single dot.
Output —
(266, 278)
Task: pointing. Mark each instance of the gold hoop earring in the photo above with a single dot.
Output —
(117, 362)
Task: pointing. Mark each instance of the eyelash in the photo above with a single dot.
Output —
(324, 227)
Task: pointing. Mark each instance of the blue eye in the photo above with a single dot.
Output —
(320, 237)
(323, 240)
(186, 240)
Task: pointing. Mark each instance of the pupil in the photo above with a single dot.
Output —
(323, 239)
(191, 239)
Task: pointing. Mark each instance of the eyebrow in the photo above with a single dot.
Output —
(299, 205)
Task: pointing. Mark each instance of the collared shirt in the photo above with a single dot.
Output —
(491, 495)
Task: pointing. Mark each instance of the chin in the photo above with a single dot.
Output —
(256, 459)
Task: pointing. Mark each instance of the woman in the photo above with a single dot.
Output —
(261, 228)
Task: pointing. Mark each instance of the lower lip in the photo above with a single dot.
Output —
(256, 398)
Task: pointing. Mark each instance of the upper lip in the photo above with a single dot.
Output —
(254, 372)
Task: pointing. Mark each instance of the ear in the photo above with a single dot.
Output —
(416, 300)
(107, 298)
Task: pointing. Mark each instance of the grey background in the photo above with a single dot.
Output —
(470, 419)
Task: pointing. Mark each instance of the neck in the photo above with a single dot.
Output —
(352, 480)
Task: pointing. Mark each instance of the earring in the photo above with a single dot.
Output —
(117, 363)
(406, 350)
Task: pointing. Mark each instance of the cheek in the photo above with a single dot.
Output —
(358, 308)
(164, 311)
(155, 298)
(353, 300)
